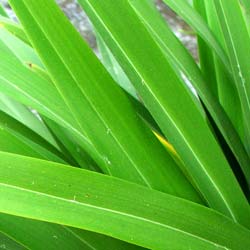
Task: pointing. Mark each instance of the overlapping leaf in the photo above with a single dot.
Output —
(111, 206)
(97, 104)
(237, 42)
(89, 117)
(186, 68)
(170, 103)
(193, 18)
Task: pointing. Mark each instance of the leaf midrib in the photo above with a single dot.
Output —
(235, 56)
(80, 238)
(111, 211)
(20, 243)
(90, 103)
(159, 103)
(219, 50)
(46, 108)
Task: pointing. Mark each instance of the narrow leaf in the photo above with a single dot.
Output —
(192, 17)
(111, 206)
(184, 64)
(13, 28)
(162, 92)
(84, 82)
(2, 11)
(35, 235)
(237, 42)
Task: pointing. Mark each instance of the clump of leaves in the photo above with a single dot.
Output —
(121, 153)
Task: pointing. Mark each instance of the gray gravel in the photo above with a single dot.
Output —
(79, 19)
(179, 27)
(83, 25)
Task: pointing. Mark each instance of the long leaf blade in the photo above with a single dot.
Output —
(237, 42)
(142, 216)
(35, 235)
(184, 64)
(17, 138)
(192, 17)
(162, 92)
(83, 82)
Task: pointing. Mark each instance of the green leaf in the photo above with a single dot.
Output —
(102, 242)
(29, 88)
(237, 42)
(114, 68)
(13, 28)
(25, 116)
(179, 58)
(170, 103)
(25, 54)
(246, 5)
(19, 48)
(17, 138)
(20, 52)
(9, 244)
(192, 17)
(227, 91)
(120, 77)
(84, 82)
(70, 147)
(205, 53)
(36, 235)
(123, 210)
(2, 11)
(184, 65)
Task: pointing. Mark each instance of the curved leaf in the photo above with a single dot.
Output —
(170, 103)
(185, 65)
(84, 82)
(35, 235)
(111, 206)
(237, 42)
(17, 138)
(192, 17)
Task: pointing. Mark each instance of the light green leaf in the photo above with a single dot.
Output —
(246, 6)
(84, 82)
(19, 48)
(24, 85)
(17, 138)
(237, 42)
(120, 77)
(192, 17)
(227, 91)
(170, 103)
(111, 206)
(113, 67)
(2, 11)
(26, 117)
(14, 28)
(184, 64)
(205, 53)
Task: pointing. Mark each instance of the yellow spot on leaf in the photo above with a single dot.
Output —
(167, 145)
